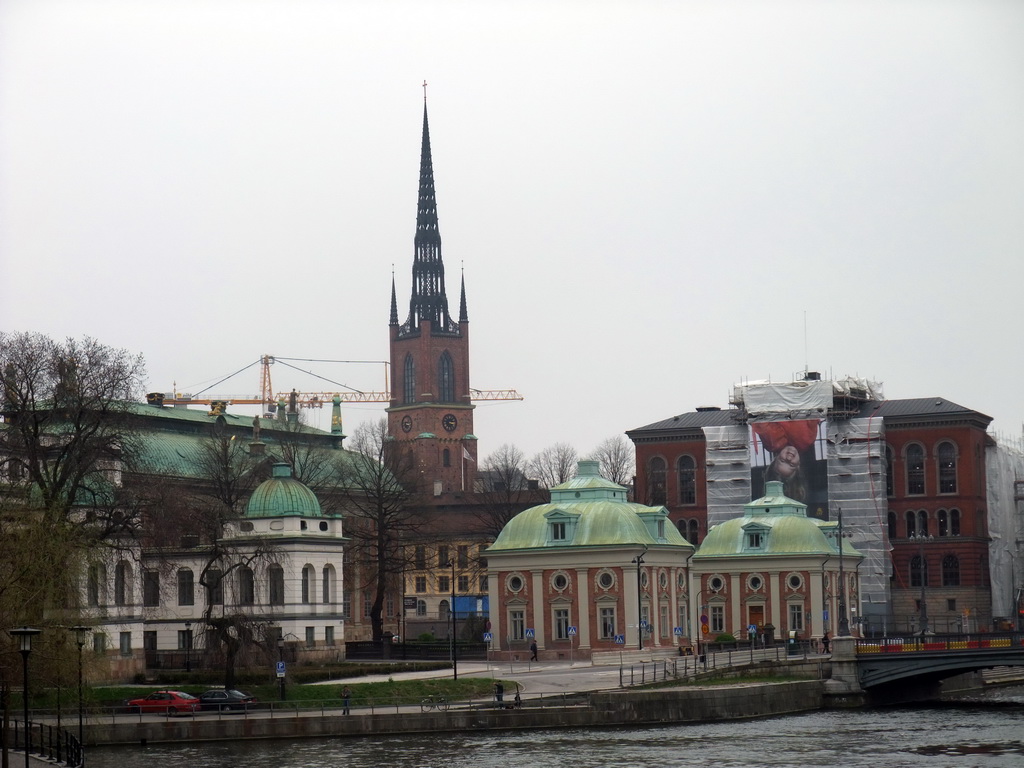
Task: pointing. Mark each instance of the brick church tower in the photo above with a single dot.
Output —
(430, 415)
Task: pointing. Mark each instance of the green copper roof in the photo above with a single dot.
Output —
(594, 514)
(784, 527)
(282, 496)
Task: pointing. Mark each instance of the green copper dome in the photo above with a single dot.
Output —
(283, 496)
(588, 511)
(773, 525)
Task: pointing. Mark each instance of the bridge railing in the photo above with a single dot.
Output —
(928, 642)
(49, 742)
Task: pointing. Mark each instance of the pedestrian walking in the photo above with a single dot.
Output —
(825, 643)
(499, 694)
(533, 651)
(346, 700)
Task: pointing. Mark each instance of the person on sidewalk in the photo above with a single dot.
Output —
(826, 643)
(533, 651)
(499, 694)
(346, 700)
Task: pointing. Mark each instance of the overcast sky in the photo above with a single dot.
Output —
(652, 201)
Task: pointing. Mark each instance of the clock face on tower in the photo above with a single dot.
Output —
(449, 422)
(406, 423)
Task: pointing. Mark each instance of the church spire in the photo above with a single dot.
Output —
(428, 301)
(463, 314)
(394, 300)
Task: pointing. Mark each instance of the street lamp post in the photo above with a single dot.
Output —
(24, 636)
(81, 632)
(639, 560)
(923, 574)
(844, 621)
(455, 647)
(188, 646)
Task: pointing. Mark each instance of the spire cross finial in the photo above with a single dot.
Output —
(424, 91)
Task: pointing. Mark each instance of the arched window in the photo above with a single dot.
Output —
(96, 586)
(890, 482)
(329, 589)
(918, 571)
(275, 582)
(307, 584)
(214, 587)
(942, 517)
(922, 523)
(915, 470)
(911, 524)
(950, 571)
(444, 610)
(409, 380)
(656, 480)
(954, 522)
(687, 480)
(947, 468)
(246, 586)
(892, 525)
(122, 584)
(446, 379)
(693, 533)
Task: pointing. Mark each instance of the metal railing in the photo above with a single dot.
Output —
(945, 642)
(692, 666)
(49, 742)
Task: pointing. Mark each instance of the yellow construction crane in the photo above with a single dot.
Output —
(268, 400)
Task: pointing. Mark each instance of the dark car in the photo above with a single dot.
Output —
(226, 700)
(168, 702)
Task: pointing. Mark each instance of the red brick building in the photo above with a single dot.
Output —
(910, 475)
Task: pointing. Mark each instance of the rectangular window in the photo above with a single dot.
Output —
(754, 540)
(99, 643)
(442, 557)
(421, 584)
(389, 605)
(796, 617)
(717, 618)
(463, 556)
(483, 583)
(420, 558)
(328, 635)
(951, 604)
(310, 637)
(561, 621)
(186, 587)
(421, 607)
(367, 604)
(663, 623)
(346, 605)
(608, 623)
(126, 643)
(246, 587)
(463, 583)
(517, 625)
(151, 588)
(558, 531)
(149, 640)
(275, 574)
(93, 586)
(443, 584)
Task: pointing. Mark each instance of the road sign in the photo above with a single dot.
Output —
(677, 631)
(572, 631)
(704, 629)
(752, 629)
(280, 669)
(530, 633)
(488, 637)
(825, 614)
(643, 623)
(620, 639)
(704, 619)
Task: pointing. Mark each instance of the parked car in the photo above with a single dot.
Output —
(226, 700)
(169, 702)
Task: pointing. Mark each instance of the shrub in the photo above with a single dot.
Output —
(725, 637)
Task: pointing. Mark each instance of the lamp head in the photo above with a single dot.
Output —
(24, 636)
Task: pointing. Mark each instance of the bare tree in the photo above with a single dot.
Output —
(617, 458)
(554, 465)
(504, 489)
(379, 490)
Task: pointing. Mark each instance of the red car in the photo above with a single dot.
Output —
(169, 702)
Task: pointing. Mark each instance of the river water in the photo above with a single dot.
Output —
(986, 730)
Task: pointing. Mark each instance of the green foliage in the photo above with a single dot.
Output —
(425, 637)
(725, 637)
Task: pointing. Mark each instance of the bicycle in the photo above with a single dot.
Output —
(434, 702)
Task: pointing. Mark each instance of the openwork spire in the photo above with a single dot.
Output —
(428, 301)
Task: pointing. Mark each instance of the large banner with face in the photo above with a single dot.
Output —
(793, 452)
